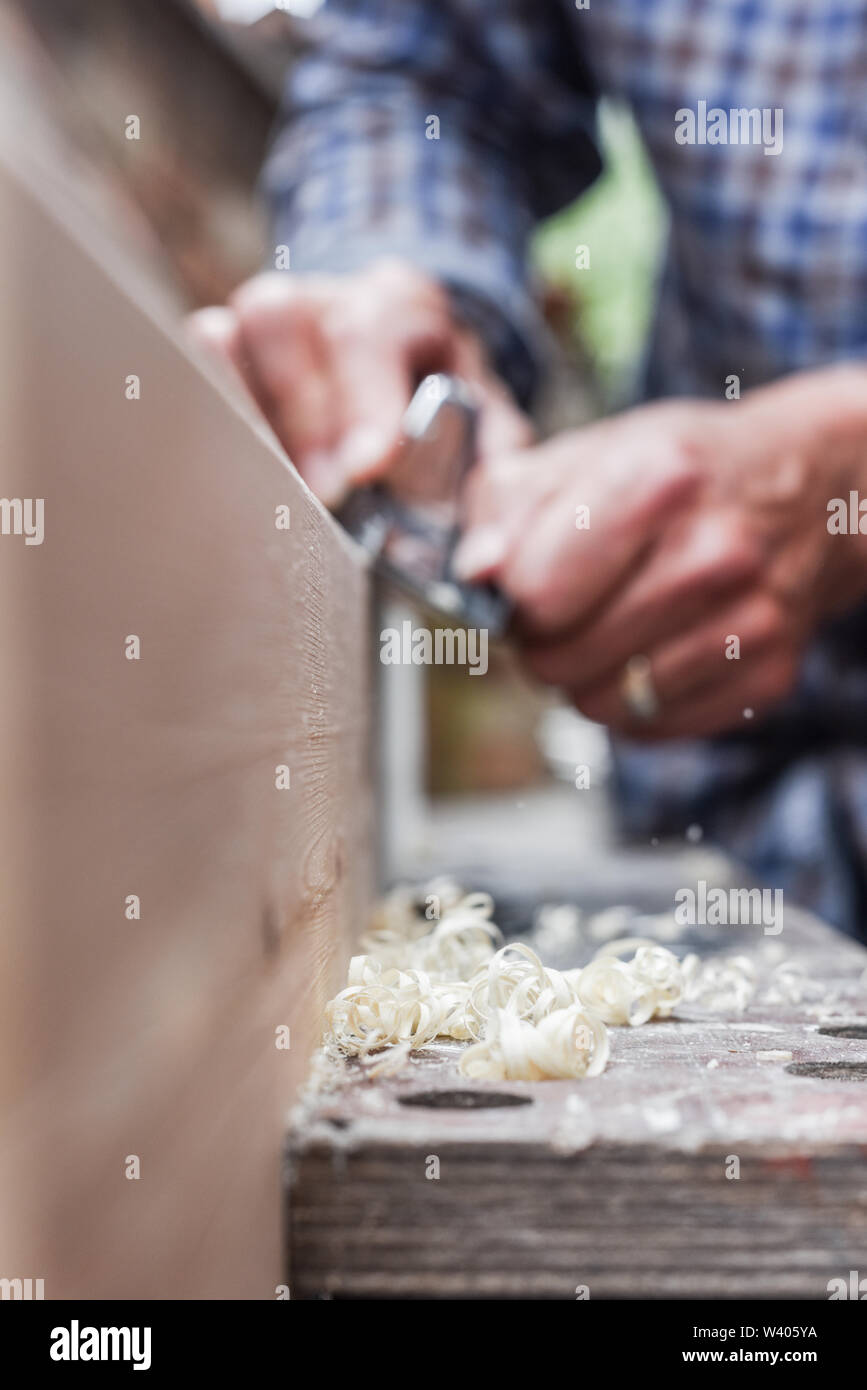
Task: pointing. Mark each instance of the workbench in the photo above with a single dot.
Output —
(718, 1156)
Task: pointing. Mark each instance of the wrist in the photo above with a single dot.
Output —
(811, 429)
(835, 402)
(821, 417)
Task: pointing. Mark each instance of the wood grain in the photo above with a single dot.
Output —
(156, 777)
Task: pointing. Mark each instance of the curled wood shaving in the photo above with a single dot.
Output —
(647, 986)
(450, 978)
(557, 927)
(789, 984)
(451, 947)
(381, 1007)
(516, 982)
(721, 986)
(609, 988)
(565, 1043)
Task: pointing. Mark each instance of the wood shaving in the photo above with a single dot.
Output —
(790, 984)
(381, 1007)
(389, 1062)
(451, 946)
(648, 986)
(557, 927)
(451, 978)
(566, 1043)
(720, 986)
(515, 981)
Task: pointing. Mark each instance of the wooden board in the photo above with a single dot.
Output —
(618, 1184)
(156, 777)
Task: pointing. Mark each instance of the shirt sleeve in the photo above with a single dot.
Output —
(439, 131)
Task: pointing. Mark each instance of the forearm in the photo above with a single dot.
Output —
(358, 182)
(407, 135)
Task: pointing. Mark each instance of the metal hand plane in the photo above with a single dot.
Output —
(410, 522)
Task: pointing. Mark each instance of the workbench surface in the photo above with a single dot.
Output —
(718, 1156)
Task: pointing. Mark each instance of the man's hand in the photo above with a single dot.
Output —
(333, 361)
(704, 522)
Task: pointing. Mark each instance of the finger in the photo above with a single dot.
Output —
(374, 388)
(559, 573)
(710, 654)
(505, 493)
(377, 389)
(733, 705)
(686, 577)
(701, 658)
(384, 337)
(217, 332)
(506, 490)
(502, 496)
(285, 355)
(732, 700)
(374, 398)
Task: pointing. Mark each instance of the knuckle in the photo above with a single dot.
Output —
(677, 454)
(733, 561)
(405, 282)
(733, 551)
(686, 454)
(766, 622)
(267, 302)
(738, 562)
(347, 321)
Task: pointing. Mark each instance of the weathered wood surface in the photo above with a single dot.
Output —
(618, 1183)
(156, 777)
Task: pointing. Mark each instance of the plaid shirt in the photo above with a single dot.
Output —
(443, 130)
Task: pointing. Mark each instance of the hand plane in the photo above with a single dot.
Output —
(410, 522)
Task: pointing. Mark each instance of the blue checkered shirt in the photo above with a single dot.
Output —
(442, 131)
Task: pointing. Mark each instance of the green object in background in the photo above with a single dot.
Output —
(622, 221)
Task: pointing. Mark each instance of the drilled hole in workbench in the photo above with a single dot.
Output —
(846, 1030)
(830, 1071)
(464, 1100)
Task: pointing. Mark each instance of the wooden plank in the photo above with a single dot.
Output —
(156, 777)
(618, 1183)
